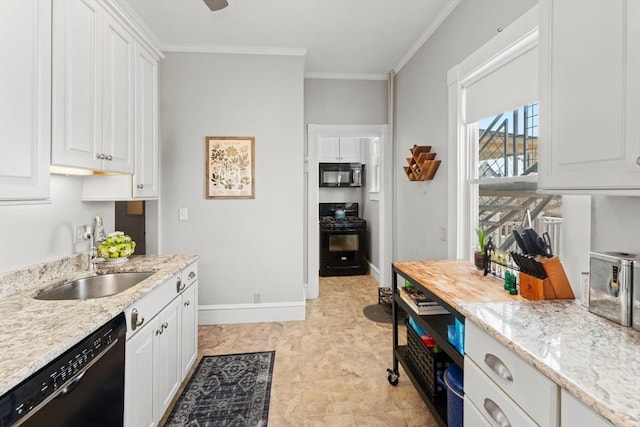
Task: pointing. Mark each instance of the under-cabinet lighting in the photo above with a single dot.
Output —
(61, 170)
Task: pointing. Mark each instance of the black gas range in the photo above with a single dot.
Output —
(343, 240)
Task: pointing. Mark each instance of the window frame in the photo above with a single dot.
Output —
(508, 45)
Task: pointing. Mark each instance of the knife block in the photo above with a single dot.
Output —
(555, 286)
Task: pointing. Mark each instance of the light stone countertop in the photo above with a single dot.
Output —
(35, 332)
(593, 358)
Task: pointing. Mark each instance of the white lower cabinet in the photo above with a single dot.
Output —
(574, 413)
(189, 323)
(161, 348)
(472, 415)
(504, 387)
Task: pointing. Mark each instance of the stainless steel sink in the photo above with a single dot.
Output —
(100, 286)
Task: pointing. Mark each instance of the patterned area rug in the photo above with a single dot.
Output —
(231, 390)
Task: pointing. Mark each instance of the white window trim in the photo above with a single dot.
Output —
(512, 42)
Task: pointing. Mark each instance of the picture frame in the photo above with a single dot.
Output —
(230, 171)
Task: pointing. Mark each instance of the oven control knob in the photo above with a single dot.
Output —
(20, 409)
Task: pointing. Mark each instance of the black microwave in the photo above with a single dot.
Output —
(341, 174)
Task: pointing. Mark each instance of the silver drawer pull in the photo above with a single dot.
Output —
(497, 366)
(191, 275)
(496, 413)
(135, 319)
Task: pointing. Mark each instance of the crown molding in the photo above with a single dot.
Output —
(243, 50)
(449, 6)
(144, 34)
(345, 76)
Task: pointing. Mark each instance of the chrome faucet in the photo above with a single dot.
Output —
(95, 235)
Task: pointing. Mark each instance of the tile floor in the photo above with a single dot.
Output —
(330, 369)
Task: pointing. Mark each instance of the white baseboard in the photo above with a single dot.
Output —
(219, 314)
(375, 272)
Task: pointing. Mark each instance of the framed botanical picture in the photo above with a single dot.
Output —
(230, 167)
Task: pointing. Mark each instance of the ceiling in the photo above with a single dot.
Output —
(340, 37)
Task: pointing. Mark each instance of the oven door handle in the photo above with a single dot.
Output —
(341, 230)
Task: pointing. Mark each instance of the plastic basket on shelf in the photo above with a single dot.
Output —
(427, 365)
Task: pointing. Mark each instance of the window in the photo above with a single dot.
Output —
(507, 146)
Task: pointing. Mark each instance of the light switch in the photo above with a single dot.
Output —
(183, 214)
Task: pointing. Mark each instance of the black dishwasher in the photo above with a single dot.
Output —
(82, 387)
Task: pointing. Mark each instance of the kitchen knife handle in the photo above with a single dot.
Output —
(496, 365)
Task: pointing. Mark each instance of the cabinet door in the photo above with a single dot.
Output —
(574, 413)
(145, 180)
(328, 150)
(589, 94)
(350, 150)
(166, 360)
(25, 103)
(118, 98)
(77, 84)
(139, 384)
(189, 327)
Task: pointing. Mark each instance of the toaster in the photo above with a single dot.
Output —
(611, 284)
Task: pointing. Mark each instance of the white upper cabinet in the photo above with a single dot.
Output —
(145, 180)
(92, 89)
(25, 99)
(589, 95)
(340, 150)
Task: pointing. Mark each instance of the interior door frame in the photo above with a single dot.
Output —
(314, 133)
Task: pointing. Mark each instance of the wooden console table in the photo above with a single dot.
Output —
(450, 283)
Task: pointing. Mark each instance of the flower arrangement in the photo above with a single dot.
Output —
(116, 245)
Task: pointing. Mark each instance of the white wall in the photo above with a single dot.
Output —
(421, 118)
(615, 224)
(245, 246)
(32, 234)
(351, 102)
(345, 102)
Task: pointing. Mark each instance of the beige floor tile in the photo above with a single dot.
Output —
(330, 369)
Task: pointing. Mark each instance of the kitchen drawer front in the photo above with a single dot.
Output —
(492, 403)
(190, 274)
(472, 415)
(150, 305)
(574, 413)
(533, 392)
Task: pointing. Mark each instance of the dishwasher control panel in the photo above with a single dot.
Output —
(65, 372)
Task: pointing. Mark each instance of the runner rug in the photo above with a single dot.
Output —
(228, 390)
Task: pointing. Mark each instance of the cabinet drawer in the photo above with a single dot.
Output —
(473, 416)
(533, 392)
(150, 305)
(491, 401)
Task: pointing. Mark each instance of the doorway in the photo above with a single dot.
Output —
(382, 200)
(130, 219)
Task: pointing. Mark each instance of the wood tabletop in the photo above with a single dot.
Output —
(456, 281)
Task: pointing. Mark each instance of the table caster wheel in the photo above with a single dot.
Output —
(392, 377)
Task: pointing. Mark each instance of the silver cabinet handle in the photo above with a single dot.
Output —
(165, 325)
(135, 319)
(100, 156)
(109, 157)
(497, 366)
(179, 285)
(159, 331)
(140, 186)
(638, 161)
(187, 302)
(496, 413)
(191, 275)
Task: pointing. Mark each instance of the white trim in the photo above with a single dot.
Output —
(375, 273)
(345, 76)
(242, 50)
(433, 26)
(374, 195)
(221, 314)
(314, 132)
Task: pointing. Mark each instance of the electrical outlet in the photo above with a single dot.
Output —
(443, 234)
(183, 214)
(79, 231)
(257, 298)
